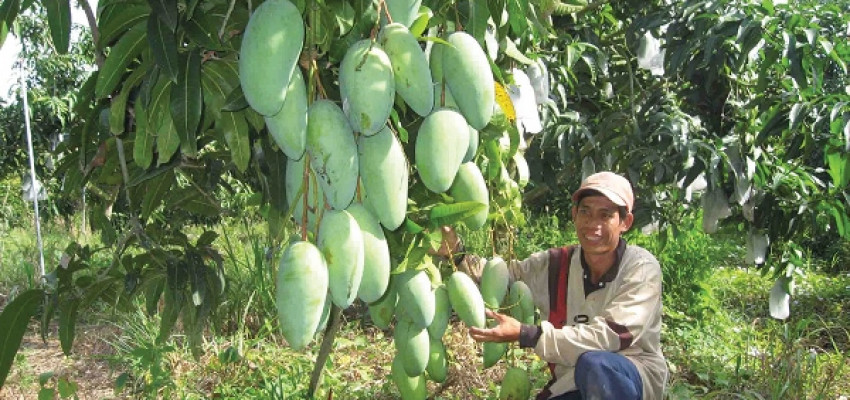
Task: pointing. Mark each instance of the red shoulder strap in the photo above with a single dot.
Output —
(558, 313)
(558, 310)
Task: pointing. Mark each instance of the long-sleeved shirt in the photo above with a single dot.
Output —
(621, 314)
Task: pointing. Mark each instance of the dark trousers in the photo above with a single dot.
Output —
(602, 375)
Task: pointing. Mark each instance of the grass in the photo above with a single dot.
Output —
(718, 337)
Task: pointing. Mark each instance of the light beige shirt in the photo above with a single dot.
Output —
(624, 316)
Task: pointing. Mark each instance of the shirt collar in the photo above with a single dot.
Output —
(614, 270)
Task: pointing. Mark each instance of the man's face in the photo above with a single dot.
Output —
(598, 224)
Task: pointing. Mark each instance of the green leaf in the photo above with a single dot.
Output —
(14, 320)
(235, 100)
(101, 223)
(159, 120)
(111, 25)
(234, 128)
(448, 214)
(66, 388)
(172, 305)
(218, 79)
(186, 102)
(143, 145)
(275, 176)
(839, 167)
(9, 10)
(59, 21)
(478, 16)
(203, 31)
(118, 107)
(67, 323)
(207, 238)
(155, 192)
(517, 10)
(163, 46)
(192, 200)
(166, 11)
(120, 56)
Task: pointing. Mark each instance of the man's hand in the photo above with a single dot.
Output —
(507, 330)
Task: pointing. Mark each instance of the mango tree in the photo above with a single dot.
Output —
(366, 125)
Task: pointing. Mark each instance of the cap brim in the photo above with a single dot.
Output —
(605, 192)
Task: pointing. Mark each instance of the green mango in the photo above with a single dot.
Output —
(288, 127)
(410, 388)
(384, 176)
(367, 86)
(442, 95)
(382, 310)
(440, 146)
(438, 365)
(521, 303)
(473, 145)
(466, 299)
(341, 242)
(469, 77)
(515, 385)
(469, 185)
(302, 286)
(411, 343)
(493, 352)
(410, 68)
(442, 313)
(494, 282)
(333, 152)
(416, 298)
(271, 46)
(376, 256)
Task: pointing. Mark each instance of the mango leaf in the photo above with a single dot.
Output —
(166, 11)
(174, 301)
(155, 192)
(143, 144)
(159, 120)
(275, 175)
(163, 46)
(479, 13)
(100, 222)
(120, 56)
(113, 24)
(59, 21)
(207, 238)
(14, 320)
(67, 323)
(235, 101)
(203, 31)
(118, 107)
(517, 10)
(8, 12)
(219, 78)
(234, 128)
(186, 102)
(192, 200)
(839, 167)
(448, 214)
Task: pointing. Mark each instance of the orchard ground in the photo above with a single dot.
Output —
(719, 338)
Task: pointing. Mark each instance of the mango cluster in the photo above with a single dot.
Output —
(347, 179)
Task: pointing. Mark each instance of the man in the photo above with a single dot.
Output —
(607, 296)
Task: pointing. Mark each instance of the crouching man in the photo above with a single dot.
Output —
(602, 297)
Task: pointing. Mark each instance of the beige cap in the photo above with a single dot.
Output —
(613, 186)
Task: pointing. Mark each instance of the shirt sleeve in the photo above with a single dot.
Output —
(620, 324)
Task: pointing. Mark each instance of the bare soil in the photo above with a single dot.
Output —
(87, 366)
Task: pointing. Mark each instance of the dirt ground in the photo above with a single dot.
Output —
(87, 367)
